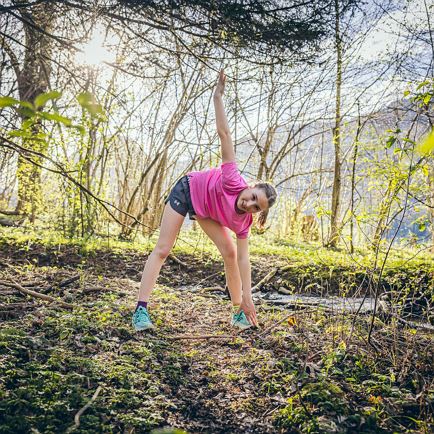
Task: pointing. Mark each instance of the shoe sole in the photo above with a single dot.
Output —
(140, 329)
(242, 327)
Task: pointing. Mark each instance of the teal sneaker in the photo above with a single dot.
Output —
(239, 320)
(141, 319)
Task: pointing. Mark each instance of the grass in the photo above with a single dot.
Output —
(261, 246)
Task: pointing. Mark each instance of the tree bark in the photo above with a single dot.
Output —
(353, 180)
(431, 210)
(334, 220)
(33, 79)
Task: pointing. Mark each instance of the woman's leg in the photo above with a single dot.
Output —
(170, 225)
(221, 238)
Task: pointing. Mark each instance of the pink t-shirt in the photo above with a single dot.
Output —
(214, 193)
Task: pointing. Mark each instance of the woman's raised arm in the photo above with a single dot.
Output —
(228, 152)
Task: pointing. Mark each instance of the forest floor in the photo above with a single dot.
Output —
(75, 364)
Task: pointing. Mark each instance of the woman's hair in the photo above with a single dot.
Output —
(271, 194)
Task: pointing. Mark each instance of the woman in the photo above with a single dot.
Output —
(218, 199)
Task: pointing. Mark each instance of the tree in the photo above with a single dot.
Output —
(33, 76)
(265, 28)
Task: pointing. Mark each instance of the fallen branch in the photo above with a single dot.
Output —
(83, 409)
(415, 325)
(36, 294)
(266, 279)
(6, 212)
(271, 274)
(7, 222)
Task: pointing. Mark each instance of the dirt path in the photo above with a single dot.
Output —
(197, 385)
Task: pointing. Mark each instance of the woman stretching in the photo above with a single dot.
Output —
(218, 199)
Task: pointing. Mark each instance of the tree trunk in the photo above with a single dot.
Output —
(353, 180)
(334, 221)
(431, 200)
(33, 79)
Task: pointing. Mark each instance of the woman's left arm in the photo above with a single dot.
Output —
(246, 278)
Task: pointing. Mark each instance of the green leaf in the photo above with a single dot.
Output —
(26, 112)
(85, 98)
(57, 118)
(80, 129)
(406, 92)
(390, 141)
(427, 99)
(88, 102)
(407, 140)
(27, 134)
(427, 146)
(43, 98)
(424, 83)
(20, 133)
(422, 227)
(27, 104)
(27, 124)
(7, 101)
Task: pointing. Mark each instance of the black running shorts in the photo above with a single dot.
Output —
(180, 199)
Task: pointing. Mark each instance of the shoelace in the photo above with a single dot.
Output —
(142, 314)
(238, 316)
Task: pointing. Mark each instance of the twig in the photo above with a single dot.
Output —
(11, 267)
(208, 277)
(178, 261)
(212, 288)
(15, 306)
(36, 294)
(62, 284)
(89, 289)
(83, 409)
(69, 281)
(267, 330)
(200, 337)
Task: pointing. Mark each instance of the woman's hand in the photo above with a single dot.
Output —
(248, 308)
(220, 87)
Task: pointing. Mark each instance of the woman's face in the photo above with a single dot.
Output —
(252, 200)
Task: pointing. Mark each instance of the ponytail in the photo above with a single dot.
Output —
(262, 219)
(271, 194)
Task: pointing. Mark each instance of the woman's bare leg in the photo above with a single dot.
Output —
(221, 238)
(170, 225)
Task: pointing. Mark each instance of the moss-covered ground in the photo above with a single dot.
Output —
(303, 371)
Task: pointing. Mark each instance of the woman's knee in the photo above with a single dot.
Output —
(229, 253)
(162, 251)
